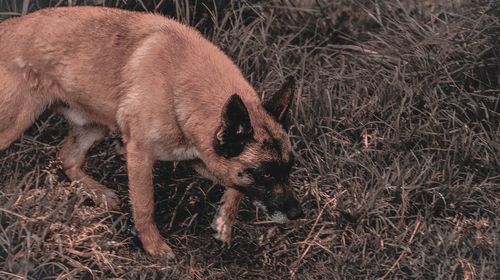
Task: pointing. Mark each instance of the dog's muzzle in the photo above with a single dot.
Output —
(293, 209)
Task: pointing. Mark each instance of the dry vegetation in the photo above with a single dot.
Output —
(396, 134)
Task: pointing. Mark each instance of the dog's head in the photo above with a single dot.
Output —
(255, 143)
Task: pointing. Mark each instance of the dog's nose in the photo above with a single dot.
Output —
(295, 212)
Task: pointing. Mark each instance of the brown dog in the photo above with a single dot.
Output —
(170, 93)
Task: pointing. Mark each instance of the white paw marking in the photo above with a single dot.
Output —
(223, 228)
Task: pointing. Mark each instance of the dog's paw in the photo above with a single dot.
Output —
(106, 198)
(159, 249)
(100, 194)
(223, 228)
(111, 199)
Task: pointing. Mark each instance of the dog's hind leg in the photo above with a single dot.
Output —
(19, 107)
(18, 122)
(76, 145)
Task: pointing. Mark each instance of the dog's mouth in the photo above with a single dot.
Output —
(276, 216)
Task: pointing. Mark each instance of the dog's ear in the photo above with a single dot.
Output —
(235, 130)
(279, 104)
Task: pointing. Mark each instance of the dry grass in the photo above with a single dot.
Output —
(396, 132)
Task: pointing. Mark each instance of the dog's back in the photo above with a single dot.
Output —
(93, 59)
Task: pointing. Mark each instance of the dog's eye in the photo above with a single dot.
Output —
(267, 175)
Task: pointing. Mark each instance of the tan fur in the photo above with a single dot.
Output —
(157, 82)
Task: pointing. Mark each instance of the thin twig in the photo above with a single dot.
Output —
(26, 4)
(11, 274)
(402, 253)
(20, 216)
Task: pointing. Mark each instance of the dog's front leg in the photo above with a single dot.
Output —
(228, 209)
(140, 167)
(226, 215)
